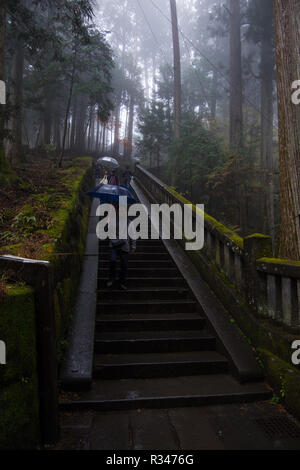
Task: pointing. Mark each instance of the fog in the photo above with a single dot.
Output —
(192, 94)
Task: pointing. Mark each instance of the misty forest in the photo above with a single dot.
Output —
(196, 91)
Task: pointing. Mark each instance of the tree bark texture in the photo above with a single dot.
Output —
(236, 91)
(287, 40)
(236, 104)
(4, 166)
(267, 113)
(177, 70)
(16, 98)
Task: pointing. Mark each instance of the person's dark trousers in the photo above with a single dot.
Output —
(114, 253)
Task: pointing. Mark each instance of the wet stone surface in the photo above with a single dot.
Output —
(258, 426)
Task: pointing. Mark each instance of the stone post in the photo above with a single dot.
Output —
(39, 274)
(256, 247)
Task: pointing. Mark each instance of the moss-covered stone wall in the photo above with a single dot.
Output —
(19, 394)
(19, 399)
(66, 253)
(271, 343)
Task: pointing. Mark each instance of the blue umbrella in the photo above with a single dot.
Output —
(110, 193)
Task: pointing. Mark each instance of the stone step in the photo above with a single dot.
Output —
(109, 295)
(140, 256)
(140, 249)
(151, 307)
(153, 341)
(140, 264)
(147, 282)
(145, 243)
(123, 366)
(170, 392)
(144, 322)
(143, 272)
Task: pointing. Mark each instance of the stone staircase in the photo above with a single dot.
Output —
(153, 346)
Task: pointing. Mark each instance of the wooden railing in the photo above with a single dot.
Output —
(270, 287)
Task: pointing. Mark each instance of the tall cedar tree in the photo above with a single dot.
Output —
(287, 40)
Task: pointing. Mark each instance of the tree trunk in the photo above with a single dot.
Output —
(236, 105)
(147, 90)
(117, 130)
(16, 98)
(213, 100)
(93, 132)
(4, 166)
(97, 135)
(267, 113)
(73, 130)
(57, 136)
(68, 108)
(90, 129)
(80, 125)
(104, 139)
(47, 123)
(287, 40)
(128, 150)
(236, 92)
(177, 70)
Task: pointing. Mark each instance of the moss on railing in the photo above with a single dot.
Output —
(271, 340)
(280, 261)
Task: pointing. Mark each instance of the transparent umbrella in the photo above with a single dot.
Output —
(108, 162)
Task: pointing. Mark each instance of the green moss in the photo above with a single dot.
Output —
(284, 378)
(17, 330)
(7, 175)
(19, 403)
(258, 235)
(19, 415)
(18, 378)
(83, 162)
(279, 261)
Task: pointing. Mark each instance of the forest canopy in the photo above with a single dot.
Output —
(187, 87)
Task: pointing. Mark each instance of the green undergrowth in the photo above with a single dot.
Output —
(61, 241)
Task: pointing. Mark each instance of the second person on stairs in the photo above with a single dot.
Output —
(119, 248)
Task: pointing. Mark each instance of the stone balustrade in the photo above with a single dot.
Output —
(270, 287)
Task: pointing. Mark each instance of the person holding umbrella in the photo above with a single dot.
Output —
(114, 178)
(112, 165)
(119, 248)
(127, 177)
(105, 178)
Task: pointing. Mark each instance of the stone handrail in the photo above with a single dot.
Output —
(271, 287)
(39, 275)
